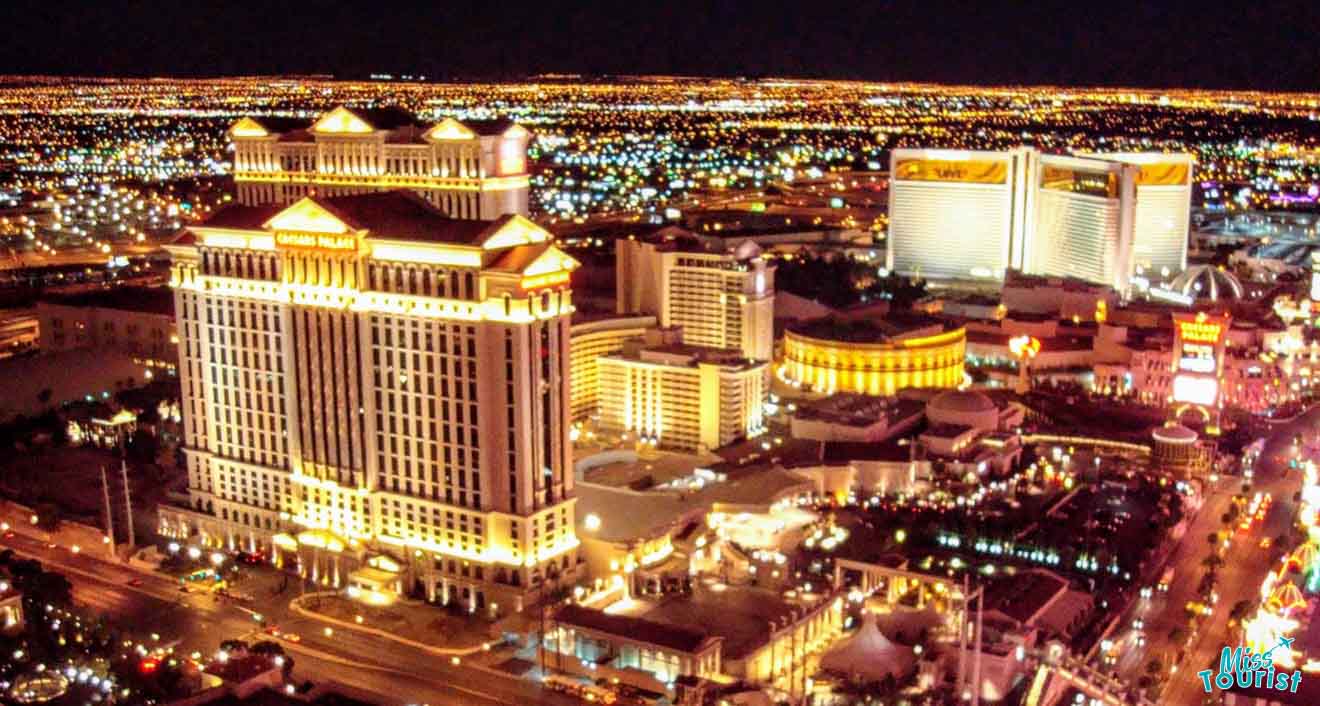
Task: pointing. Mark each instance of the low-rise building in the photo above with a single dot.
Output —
(874, 357)
(681, 396)
(135, 320)
(851, 417)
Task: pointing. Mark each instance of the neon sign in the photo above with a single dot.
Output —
(1200, 330)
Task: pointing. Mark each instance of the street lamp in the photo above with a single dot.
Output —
(194, 553)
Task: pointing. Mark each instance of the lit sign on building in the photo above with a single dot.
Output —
(1200, 330)
(317, 241)
(1162, 174)
(971, 171)
(549, 279)
(1199, 350)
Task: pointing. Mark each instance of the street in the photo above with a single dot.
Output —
(397, 674)
(1246, 564)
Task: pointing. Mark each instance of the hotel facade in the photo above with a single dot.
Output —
(684, 397)
(961, 215)
(720, 298)
(472, 169)
(377, 394)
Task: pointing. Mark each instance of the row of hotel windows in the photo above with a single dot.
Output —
(423, 281)
(247, 265)
(713, 263)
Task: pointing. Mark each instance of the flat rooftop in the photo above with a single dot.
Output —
(859, 410)
(682, 638)
(739, 614)
(1023, 595)
(688, 355)
(146, 300)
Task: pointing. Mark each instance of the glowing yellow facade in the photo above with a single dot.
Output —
(468, 170)
(874, 368)
(347, 398)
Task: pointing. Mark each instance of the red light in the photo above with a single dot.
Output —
(149, 665)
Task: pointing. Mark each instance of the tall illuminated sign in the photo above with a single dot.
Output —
(1198, 359)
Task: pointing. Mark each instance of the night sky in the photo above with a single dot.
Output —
(1257, 45)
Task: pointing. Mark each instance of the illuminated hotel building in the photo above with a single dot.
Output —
(470, 169)
(1083, 220)
(959, 215)
(874, 357)
(955, 214)
(1162, 214)
(589, 341)
(683, 397)
(378, 394)
(721, 299)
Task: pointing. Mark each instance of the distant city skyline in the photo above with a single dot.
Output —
(1140, 44)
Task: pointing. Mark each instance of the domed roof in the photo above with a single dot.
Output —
(962, 401)
(1174, 434)
(1207, 282)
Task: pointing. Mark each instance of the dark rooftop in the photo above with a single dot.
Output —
(673, 637)
(887, 330)
(148, 300)
(397, 214)
(1022, 596)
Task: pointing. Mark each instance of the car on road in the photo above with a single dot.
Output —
(9, 534)
(135, 582)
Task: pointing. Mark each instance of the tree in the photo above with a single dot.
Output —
(1213, 562)
(1212, 539)
(267, 647)
(1240, 610)
(142, 446)
(49, 588)
(1178, 635)
(44, 396)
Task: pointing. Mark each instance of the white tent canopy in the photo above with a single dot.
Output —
(867, 654)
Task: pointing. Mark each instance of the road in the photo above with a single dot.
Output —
(1245, 564)
(199, 622)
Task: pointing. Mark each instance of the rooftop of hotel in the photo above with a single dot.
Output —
(896, 326)
(402, 125)
(859, 410)
(392, 215)
(689, 355)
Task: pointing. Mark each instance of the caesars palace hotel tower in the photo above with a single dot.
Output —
(374, 360)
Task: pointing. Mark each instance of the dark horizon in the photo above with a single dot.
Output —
(1267, 46)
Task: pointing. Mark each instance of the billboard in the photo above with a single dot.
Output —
(1196, 390)
(973, 171)
(1198, 356)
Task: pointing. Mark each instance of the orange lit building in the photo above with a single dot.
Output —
(469, 169)
(874, 357)
(378, 395)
